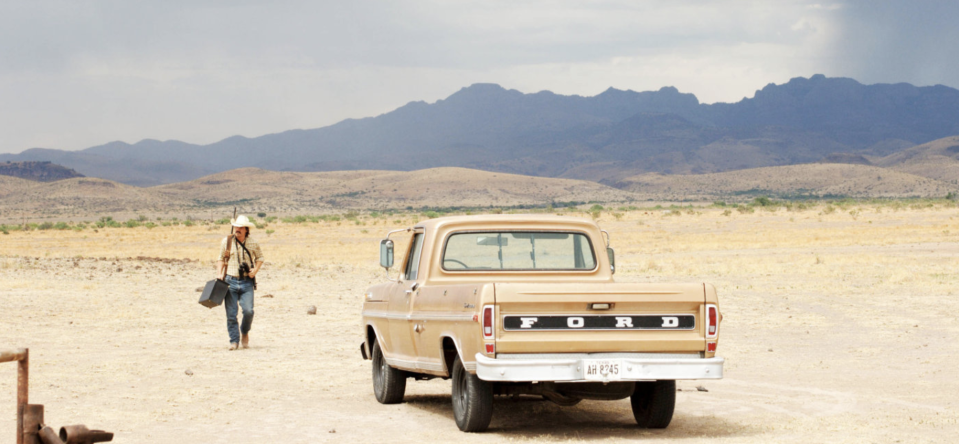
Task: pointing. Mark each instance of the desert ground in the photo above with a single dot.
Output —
(840, 325)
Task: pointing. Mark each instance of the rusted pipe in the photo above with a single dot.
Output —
(80, 434)
(32, 421)
(8, 356)
(22, 357)
(48, 436)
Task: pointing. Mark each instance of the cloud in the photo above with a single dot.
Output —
(76, 74)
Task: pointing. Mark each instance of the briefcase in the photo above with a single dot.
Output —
(213, 293)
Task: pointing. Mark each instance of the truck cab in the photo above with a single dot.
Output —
(527, 305)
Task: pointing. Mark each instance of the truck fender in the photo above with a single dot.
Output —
(459, 352)
(367, 345)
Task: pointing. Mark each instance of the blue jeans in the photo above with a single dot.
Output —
(241, 291)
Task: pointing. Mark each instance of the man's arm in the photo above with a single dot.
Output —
(221, 270)
(221, 264)
(256, 269)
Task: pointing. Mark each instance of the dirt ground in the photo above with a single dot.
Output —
(839, 327)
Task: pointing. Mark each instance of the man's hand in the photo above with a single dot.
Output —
(221, 276)
(252, 274)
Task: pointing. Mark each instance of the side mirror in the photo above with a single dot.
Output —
(612, 259)
(386, 253)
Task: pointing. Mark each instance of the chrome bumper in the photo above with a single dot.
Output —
(570, 369)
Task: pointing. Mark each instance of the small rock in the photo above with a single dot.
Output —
(770, 350)
(199, 289)
(188, 372)
(311, 310)
(701, 388)
(268, 296)
(332, 430)
(119, 270)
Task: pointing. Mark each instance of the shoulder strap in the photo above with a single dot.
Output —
(243, 244)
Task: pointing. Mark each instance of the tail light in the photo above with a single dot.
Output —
(488, 322)
(712, 321)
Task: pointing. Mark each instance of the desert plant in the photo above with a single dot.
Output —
(261, 215)
(269, 232)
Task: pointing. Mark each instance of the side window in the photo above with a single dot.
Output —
(413, 263)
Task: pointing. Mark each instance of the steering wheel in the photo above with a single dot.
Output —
(458, 262)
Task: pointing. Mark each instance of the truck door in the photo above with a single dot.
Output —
(400, 304)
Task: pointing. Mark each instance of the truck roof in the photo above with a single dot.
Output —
(499, 220)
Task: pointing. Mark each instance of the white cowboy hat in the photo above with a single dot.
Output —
(243, 221)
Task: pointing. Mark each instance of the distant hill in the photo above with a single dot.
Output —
(85, 195)
(792, 180)
(606, 137)
(938, 159)
(443, 187)
(10, 184)
(38, 171)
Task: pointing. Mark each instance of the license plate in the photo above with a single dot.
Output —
(603, 369)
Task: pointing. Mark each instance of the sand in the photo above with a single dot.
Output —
(838, 328)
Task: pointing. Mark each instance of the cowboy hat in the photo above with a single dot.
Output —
(243, 221)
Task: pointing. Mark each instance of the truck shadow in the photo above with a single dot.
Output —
(531, 417)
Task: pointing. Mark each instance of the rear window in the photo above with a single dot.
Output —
(518, 250)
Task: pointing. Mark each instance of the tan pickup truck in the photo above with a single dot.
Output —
(526, 305)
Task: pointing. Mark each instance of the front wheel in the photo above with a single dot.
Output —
(389, 384)
(472, 400)
(653, 403)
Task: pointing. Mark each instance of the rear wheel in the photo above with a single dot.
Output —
(653, 403)
(472, 400)
(389, 384)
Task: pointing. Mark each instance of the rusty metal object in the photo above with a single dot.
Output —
(22, 356)
(80, 434)
(32, 420)
(49, 436)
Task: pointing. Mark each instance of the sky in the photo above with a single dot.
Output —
(78, 74)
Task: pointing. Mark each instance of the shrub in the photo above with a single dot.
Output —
(188, 223)
(719, 203)
(596, 207)
(763, 201)
(150, 225)
(61, 226)
(727, 212)
(223, 221)
(745, 209)
(269, 232)
(45, 226)
(261, 215)
(270, 219)
(132, 223)
(141, 218)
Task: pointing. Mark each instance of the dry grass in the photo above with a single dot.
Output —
(838, 327)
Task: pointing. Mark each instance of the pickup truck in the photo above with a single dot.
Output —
(517, 305)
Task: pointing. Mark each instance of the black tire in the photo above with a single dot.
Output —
(472, 400)
(389, 384)
(653, 403)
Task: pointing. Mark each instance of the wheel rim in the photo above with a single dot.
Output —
(459, 398)
(379, 370)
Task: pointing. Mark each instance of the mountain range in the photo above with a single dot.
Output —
(607, 138)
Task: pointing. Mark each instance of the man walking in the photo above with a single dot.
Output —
(239, 262)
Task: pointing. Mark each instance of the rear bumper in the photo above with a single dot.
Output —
(570, 369)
